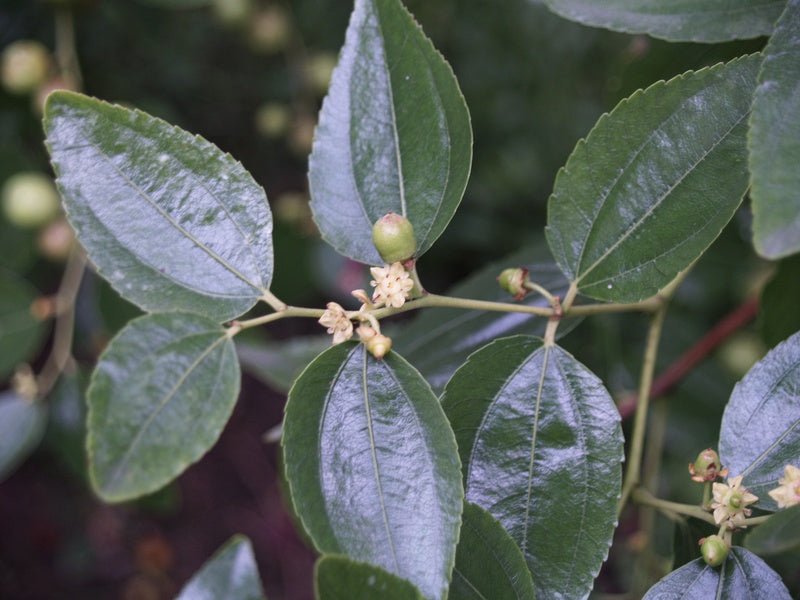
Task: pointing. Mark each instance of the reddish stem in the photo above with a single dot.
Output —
(685, 363)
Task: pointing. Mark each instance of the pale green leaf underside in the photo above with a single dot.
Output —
(541, 445)
(372, 465)
(339, 578)
(22, 425)
(489, 565)
(231, 574)
(20, 333)
(775, 142)
(743, 576)
(167, 218)
(394, 135)
(760, 431)
(654, 183)
(676, 20)
(159, 399)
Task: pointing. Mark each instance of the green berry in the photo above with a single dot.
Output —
(393, 236)
(379, 345)
(25, 66)
(705, 467)
(30, 200)
(233, 12)
(513, 281)
(714, 550)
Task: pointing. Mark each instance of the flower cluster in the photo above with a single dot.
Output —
(392, 285)
(730, 503)
(338, 323)
(788, 493)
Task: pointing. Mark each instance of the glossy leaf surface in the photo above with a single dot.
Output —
(20, 333)
(22, 424)
(781, 533)
(488, 562)
(438, 341)
(339, 578)
(760, 432)
(167, 218)
(541, 445)
(394, 135)
(775, 141)
(676, 20)
(373, 467)
(158, 400)
(231, 573)
(778, 317)
(277, 363)
(654, 183)
(743, 576)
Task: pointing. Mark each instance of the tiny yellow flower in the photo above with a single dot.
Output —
(335, 319)
(788, 493)
(730, 502)
(392, 285)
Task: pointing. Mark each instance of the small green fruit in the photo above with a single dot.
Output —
(319, 70)
(272, 120)
(25, 66)
(393, 236)
(706, 466)
(30, 200)
(379, 345)
(233, 12)
(270, 30)
(714, 550)
(513, 281)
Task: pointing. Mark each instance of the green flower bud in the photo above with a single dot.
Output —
(714, 550)
(513, 281)
(30, 200)
(379, 345)
(706, 467)
(393, 236)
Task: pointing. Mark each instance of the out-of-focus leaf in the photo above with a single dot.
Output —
(168, 219)
(339, 578)
(676, 20)
(438, 341)
(231, 574)
(781, 533)
(394, 135)
(488, 562)
(774, 141)
(22, 424)
(778, 316)
(66, 427)
(20, 333)
(158, 400)
(654, 183)
(277, 363)
(373, 467)
(541, 445)
(743, 575)
(760, 432)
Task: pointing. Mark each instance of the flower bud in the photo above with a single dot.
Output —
(513, 281)
(714, 550)
(705, 467)
(393, 236)
(379, 345)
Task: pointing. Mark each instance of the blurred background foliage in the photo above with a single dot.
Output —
(249, 75)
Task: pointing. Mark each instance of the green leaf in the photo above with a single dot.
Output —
(168, 219)
(676, 20)
(66, 424)
(373, 467)
(654, 183)
(781, 533)
(231, 573)
(437, 342)
(339, 578)
(394, 135)
(22, 425)
(743, 575)
(158, 400)
(541, 445)
(277, 363)
(760, 432)
(774, 142)
(778, 317)
(20, 333)
(489, 565)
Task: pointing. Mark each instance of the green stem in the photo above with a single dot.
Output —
(707, 495)
(644, 497)
(632, 472)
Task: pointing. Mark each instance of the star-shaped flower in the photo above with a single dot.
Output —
(788, 493)
(730, 502)
(392, 285)
(335, 319)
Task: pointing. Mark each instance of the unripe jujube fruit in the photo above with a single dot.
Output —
(714, 550)
(30, 200)
(25, 66)
(393, 236)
